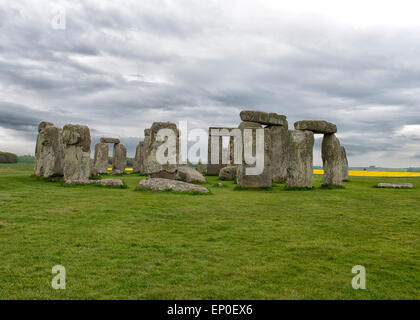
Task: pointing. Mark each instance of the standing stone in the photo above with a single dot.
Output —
(300, 165)
(263, 180)
(332, 161)
(152, 167)
(213, 169)
(279, 152)
(345, 164)
(77, 162)
(49, 152)
(101, 157)
(138, 162)
(119, 160)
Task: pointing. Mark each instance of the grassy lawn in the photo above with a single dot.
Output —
(231, 244)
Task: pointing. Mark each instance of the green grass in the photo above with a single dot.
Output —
(269, 244)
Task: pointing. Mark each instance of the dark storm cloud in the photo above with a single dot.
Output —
(120, 67)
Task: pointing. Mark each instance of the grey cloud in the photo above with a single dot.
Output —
(118, 68)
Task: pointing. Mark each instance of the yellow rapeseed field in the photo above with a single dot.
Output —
(358, 173)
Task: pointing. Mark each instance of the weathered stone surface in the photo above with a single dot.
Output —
(300, 163)
(263, 117)
(119, 160)
(248, 124)
(151, 145)
(93, 172)
(138, 159)
(104, 182)
(279, 152)
(77, 135)
(159, 184)
(42, 125)
(110, 140)
(228, 173)
(49, 152)
(316, 126)
(187, 174)
(331, 159)
(345, 164)
(77, 162)
(395, 185)
(101, 157)
(263, 180)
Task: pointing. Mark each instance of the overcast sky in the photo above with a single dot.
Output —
(119, 67)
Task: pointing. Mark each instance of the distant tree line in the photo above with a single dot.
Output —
(7, 157)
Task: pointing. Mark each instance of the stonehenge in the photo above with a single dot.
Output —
(49, 151)
(260, 151)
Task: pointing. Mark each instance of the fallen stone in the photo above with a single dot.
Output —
(104, 182)
(187, 174)
(228, 173)
(110, 140)
(159, 184)
(300, 164)
(395, 185)
(263, 117)
(331, 159)
(316, 126)
(220, 184)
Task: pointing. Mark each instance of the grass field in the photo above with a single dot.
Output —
(230, 244)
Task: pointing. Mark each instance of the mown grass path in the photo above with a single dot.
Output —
(231, 244)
